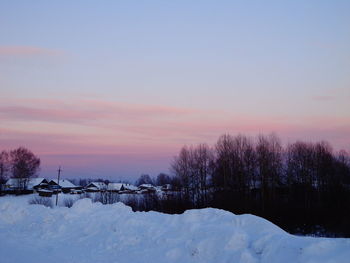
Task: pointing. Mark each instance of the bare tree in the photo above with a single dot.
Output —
(235, 163)
(343, 167)
(163, 179)
(193, 167)
(324, 161)
(24, 165)
(269, 164)
(203, 160)
(4, 166)
(249, 162)
(223, 178)
(300, 164)
(144, 179)
(181, 168)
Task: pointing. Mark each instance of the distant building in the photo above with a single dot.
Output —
(147, 188)
(115, 187)
(166, 187)
(96, 186)
(24, 183)
(64, 184)
(130, 187)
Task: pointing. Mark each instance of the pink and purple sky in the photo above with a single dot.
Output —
(114, 89)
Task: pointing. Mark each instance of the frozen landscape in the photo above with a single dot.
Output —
(92, 232)
(174, 131)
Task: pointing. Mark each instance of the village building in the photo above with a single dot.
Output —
(166, 187)
(147, 188)
(31, 184)
(115, 187)
(122, 188)
(130, 187)
(96, 187)
(64, 185)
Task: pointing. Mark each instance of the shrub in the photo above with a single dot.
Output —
(45, 201)
(106, 198)
(68, 202)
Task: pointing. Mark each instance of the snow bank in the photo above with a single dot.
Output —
(91, 232)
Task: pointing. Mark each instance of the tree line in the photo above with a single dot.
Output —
(303, 184)
(303, 187)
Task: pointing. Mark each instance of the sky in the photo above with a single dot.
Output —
(114, 89)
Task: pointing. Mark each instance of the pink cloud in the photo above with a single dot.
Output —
(101, 127)
(44, 142)
(135, 108)
(324, 98)
(27, 51)
(86, 111)
(31, 113)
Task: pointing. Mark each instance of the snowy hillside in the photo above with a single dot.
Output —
(91, 232)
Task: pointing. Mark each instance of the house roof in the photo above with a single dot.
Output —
(64, 183)
(99, 185)
(118, 186)
(15, 182)
(35, 181)
(130, 187)
(147, 186)
(114, 186)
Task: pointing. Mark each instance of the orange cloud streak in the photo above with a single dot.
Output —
(25, 51)
(114, 127)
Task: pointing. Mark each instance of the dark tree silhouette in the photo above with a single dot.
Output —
(24, 165)
(163, 179)
(301, 188)
(269, 164)
(144, 179)
(4, 166)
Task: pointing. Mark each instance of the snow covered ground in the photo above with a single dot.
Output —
(92, 232)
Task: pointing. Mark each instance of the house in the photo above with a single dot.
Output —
(43, 185)
(115, 187)
(166, 187)
(122, 188)
(31, 184)
(147, 188)
(130, 188)
(96, 186)
(65, 185)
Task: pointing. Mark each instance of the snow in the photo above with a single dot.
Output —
(147, 186)
(114, 186)
(130, 187)
(64, 183)
(92, 232)
(31, 182)
(118, 186)
(98, 185)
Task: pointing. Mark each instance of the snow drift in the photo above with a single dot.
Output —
(92, 232)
